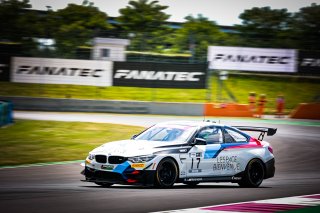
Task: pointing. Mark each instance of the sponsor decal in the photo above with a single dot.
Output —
(309, 61)
(193, 179)
(183, 150)
(2, 66)
(226, 163)
(138, 165)
(65, 71)
(236, 178)
(195, 155)
(107, 167)
(159, 75)
(5, 68)
(259, 59)
(195, 163)
(61, 71)
(195, 170)
(252, 59)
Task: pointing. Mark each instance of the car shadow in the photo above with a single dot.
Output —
(201, 186)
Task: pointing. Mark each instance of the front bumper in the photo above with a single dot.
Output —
(128, 176)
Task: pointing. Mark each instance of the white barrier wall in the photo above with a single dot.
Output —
(252, 59)
(61, 71)
(128, 107)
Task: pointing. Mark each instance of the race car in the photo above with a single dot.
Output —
(188, 152)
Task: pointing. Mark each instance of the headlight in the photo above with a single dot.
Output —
(141, 159)
(91, 156)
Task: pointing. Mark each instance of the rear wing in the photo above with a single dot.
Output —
(262, 130)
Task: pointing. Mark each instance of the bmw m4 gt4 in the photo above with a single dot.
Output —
(187, 152)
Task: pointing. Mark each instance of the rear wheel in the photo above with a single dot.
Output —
(253, 175)
(166, 173)
(104, 184)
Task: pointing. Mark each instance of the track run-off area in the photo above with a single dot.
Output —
(56, 187)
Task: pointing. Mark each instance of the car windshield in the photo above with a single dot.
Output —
(172, 133)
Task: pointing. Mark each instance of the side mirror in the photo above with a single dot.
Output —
(199, 141)
(133, 137)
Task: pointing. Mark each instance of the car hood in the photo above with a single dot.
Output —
(129, 148)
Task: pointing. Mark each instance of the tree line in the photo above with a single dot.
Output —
(145, 23)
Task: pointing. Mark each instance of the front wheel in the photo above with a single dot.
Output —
(166, 173)
(253, 175)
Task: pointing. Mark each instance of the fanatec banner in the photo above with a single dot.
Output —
(252, 59)
(309, 62)
(159, 75)
(4, 67)
(61, 71)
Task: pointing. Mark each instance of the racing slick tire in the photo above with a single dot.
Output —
(253, 175)
(166, 173)
(106, 185)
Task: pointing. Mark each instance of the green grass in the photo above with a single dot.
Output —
(307, 209)
(295, 90)
(29, 141)
(101, 93)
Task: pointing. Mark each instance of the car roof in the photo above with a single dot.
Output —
(191, 123)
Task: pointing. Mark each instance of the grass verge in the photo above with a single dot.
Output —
(296, 90)
(29, 141)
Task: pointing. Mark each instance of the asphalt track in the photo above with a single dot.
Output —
(57, 188)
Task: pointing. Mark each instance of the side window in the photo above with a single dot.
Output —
(232, 136)
(105, 53)
(211, 135)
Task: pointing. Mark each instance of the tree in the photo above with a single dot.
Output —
(142, 16)
(16, 22)
(264, 27)
(143, 20)
(196, 34)
(306, 27)
(76, 25)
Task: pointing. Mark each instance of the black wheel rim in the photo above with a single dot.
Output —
(256, 173)
(167, 174)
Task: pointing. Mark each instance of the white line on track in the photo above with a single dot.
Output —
(270, 205)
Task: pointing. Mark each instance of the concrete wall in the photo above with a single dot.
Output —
(133, 107)
(166, 108)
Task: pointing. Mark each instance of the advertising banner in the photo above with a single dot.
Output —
(4, 68)
(252, 59)
(159, 75)
(309, 62)
(61, 71)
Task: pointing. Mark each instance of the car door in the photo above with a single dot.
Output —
(232, 157)
(201, 157)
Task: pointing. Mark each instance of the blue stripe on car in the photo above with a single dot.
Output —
(214, 151)
(121, 168)
(211, 151)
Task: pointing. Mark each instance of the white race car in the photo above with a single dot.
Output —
(187, 152)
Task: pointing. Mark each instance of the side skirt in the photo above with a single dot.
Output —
(234, 179)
